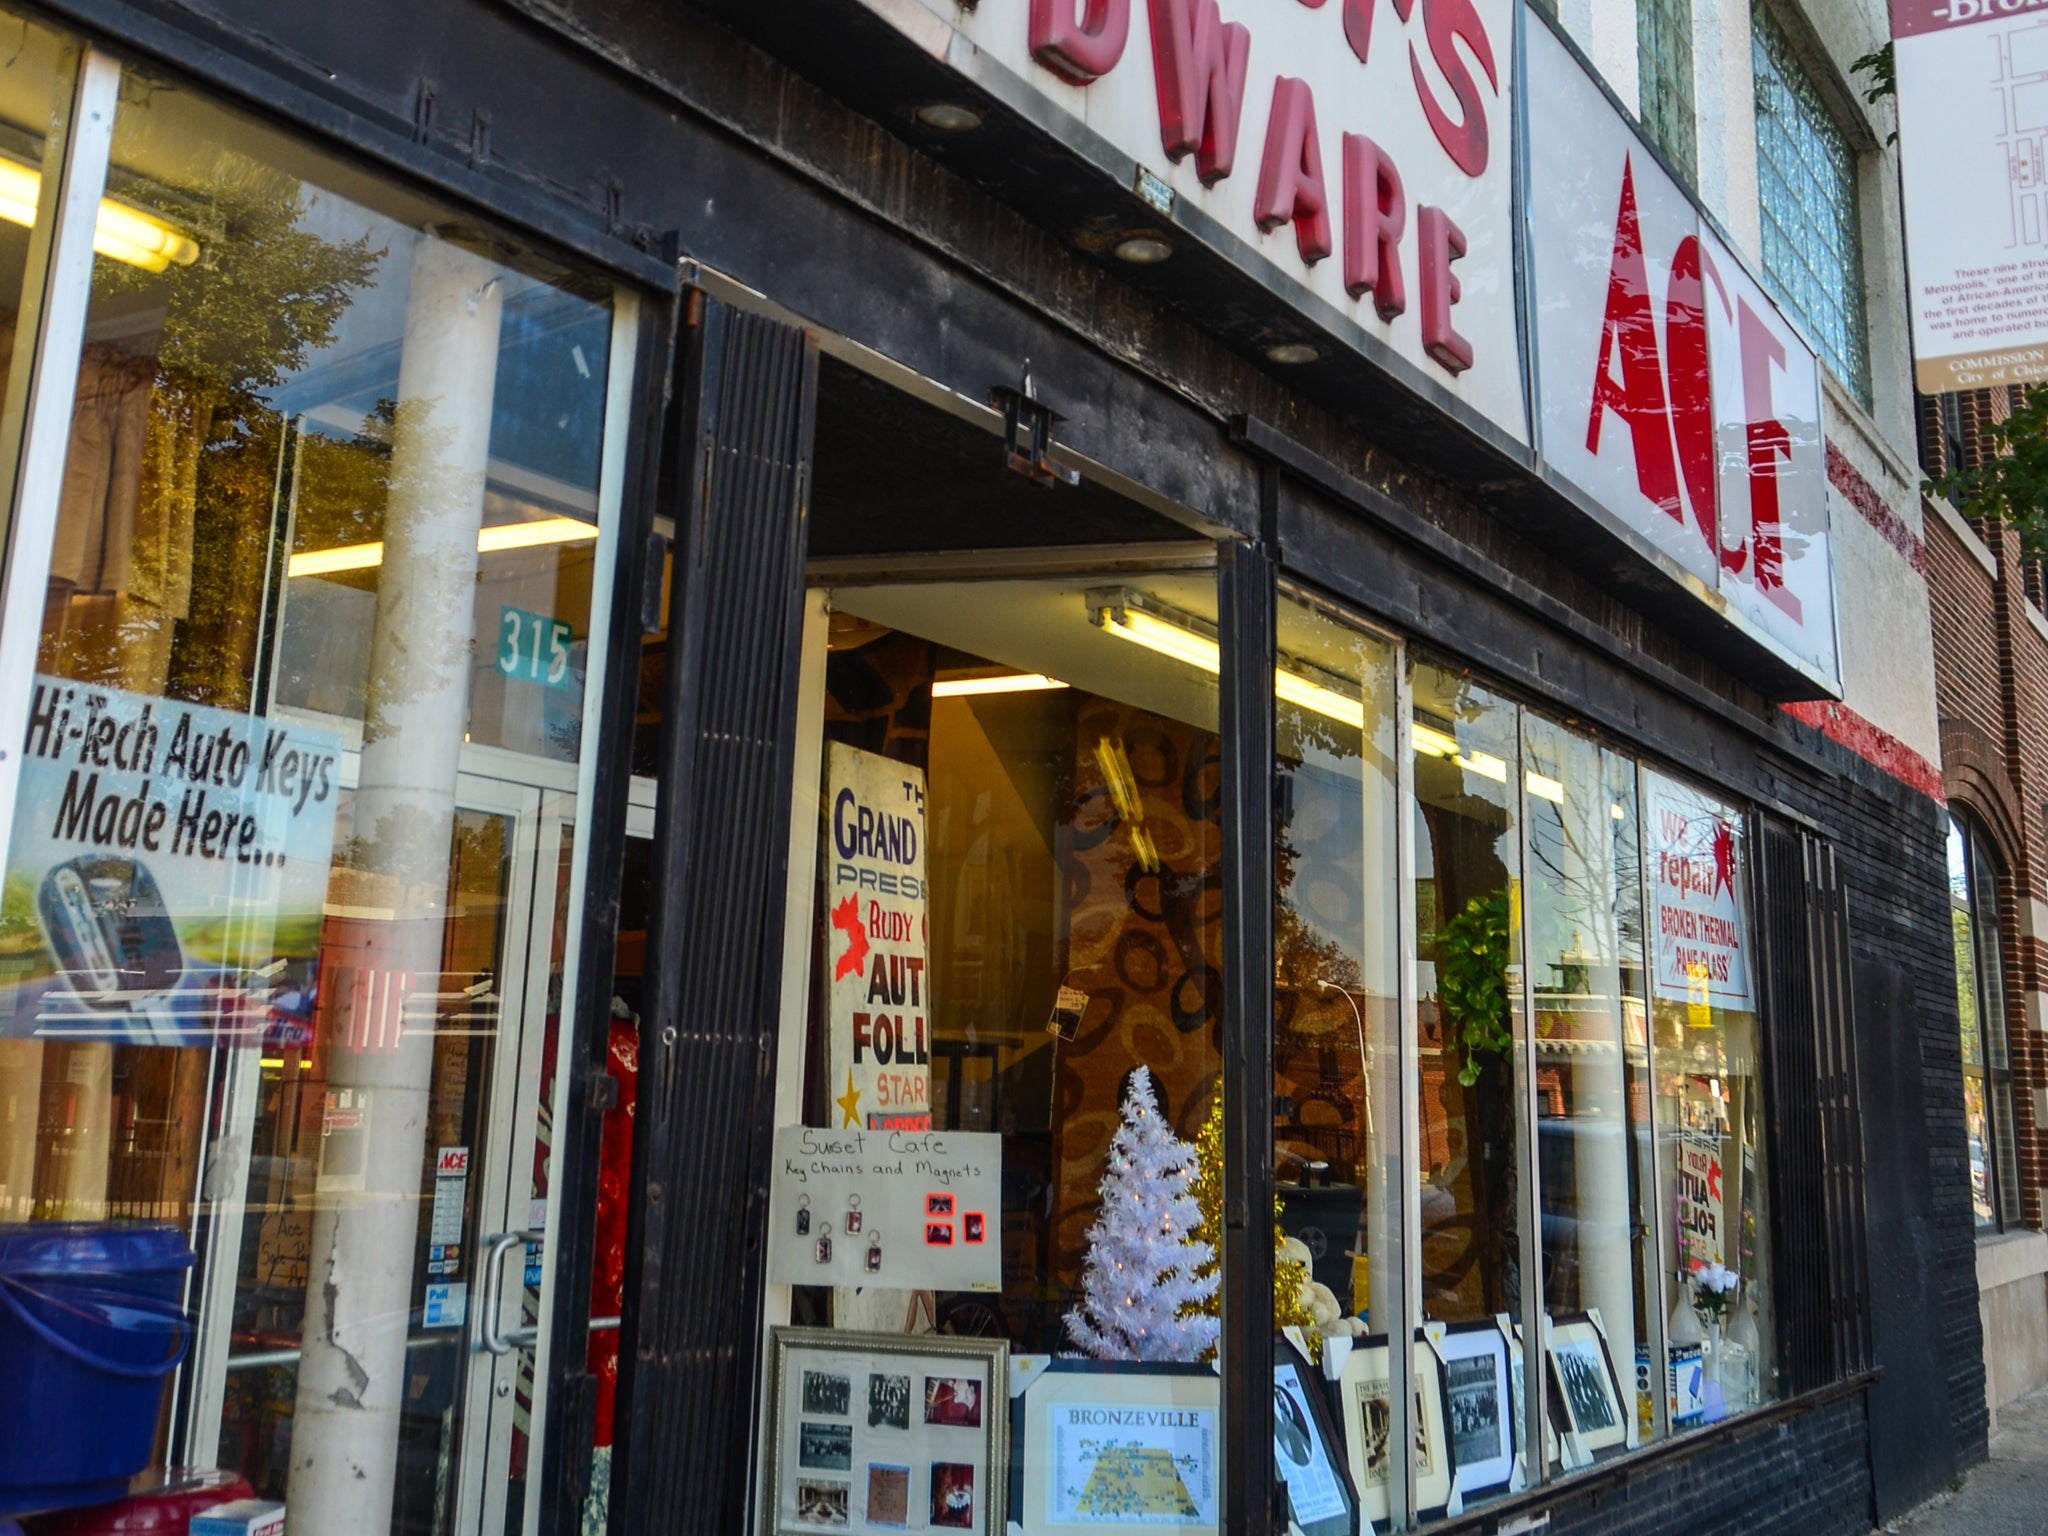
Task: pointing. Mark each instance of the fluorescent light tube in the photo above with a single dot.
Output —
(1486, 765)
(489, 541)
(1431, 742)
(1129, 622)
(1013, 682)
(1296, 689)
(1156, 634)
(1544, 787)
(123, 232)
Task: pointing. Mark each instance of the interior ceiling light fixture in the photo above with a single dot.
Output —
(1431, 742)
(489, 541)
(122, 232)
(1291, 354)
(1012, 682)
(1130, 616)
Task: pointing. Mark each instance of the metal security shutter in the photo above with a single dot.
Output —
(748, 387)
(1816, 1143)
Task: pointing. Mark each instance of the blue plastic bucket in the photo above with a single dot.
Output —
(91, 1322)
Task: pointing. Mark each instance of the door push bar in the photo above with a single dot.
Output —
(485, 1337)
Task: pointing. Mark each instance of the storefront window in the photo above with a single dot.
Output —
(1006, 1014)
(1709, 1109)
(1980, 1003)
(1009, 1063)
(35, 95)
(1584, 908)
(1467, 895)
(286, 902)
(1337, 1088)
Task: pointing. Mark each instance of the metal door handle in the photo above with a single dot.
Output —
(485, 1337)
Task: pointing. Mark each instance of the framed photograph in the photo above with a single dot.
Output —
(1479, 1405)
(1307, 1453)
(1102, 1444)
(1586, 1383)
(887, 1433)
(1367, 1404)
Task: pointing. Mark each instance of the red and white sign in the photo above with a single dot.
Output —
(1697, 910)
(451, 1162)
(875, 937)
(1672, 391)
(1356, 157)
(1973, 158)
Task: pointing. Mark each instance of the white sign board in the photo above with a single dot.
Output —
(1698, 913)
(168, 871)
(1671, 390)
(911, 1210)
(1356, 159)
(1973, 153)
(876, 941)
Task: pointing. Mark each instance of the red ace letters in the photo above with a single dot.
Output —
(1671, 391)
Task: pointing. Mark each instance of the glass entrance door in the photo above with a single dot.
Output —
(485, 1026)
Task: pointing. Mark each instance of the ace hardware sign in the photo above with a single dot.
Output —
(1355, 156)
(1360, 159)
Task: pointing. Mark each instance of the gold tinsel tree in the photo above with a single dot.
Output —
(1290, 1279)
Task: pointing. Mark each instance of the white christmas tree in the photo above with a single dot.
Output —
(1139, 1289)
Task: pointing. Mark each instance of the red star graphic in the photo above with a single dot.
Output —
(1724, 857)
(846, 918)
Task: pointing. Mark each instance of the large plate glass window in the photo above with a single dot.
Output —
(1980, 1003)
(1001, 1069)
(1584, 908)
(1708, 1102)
(1337, 1085)
(287, 890)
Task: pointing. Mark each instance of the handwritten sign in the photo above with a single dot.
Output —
(875, 942)
(914, 1210)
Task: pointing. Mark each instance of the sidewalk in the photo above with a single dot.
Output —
(2007, 1495)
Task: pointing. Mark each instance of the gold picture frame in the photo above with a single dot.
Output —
(1363, 1392)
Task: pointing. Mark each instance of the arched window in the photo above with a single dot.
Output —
(1980, 999)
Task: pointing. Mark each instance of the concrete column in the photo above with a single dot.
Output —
(360, 1287)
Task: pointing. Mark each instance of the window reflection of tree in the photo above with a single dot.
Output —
(1464, 841)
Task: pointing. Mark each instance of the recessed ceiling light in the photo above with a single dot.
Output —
(948, 117)
(1142, 250)
(1291, 353)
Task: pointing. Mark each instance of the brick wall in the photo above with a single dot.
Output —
(1991, 689)
(1891, 846)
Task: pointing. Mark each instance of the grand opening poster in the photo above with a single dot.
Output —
(167, 872)
(876, 941)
